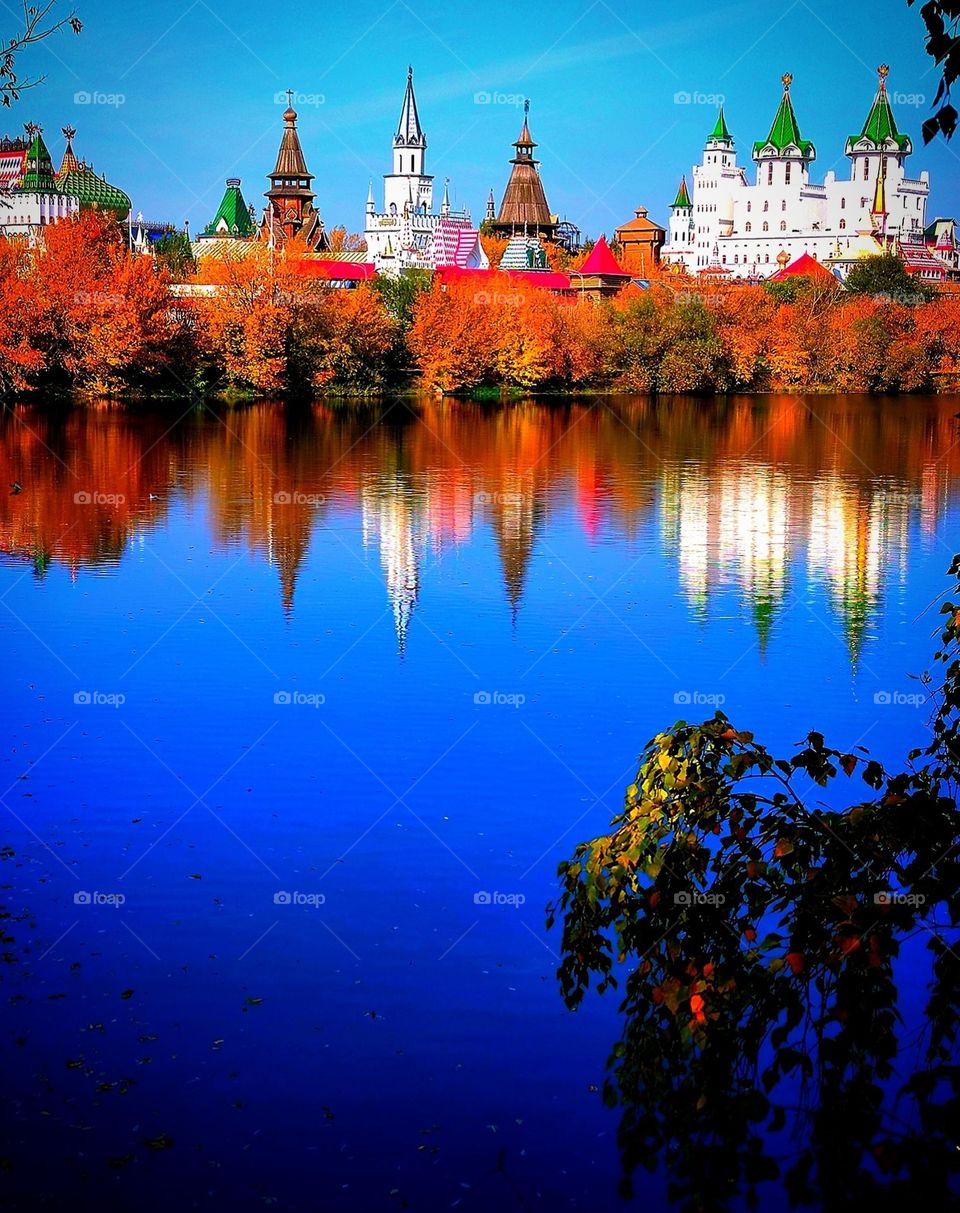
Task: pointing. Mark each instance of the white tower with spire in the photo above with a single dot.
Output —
(401, 236)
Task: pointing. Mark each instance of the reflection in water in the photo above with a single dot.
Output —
(746, 494)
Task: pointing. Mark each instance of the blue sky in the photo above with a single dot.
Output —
(169, 99)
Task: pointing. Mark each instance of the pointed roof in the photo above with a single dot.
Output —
(290, 161)
(409, 131)
(524, 201)
(804, 266)
(38, 177)
(881, 125)
(69, 161)
(233, 214)
(720, 132)
(683, 197)
(785, 131)
(602, 261)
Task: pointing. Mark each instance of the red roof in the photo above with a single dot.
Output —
(602, 261)
(804, 266)
(348, 271)
(548, 280)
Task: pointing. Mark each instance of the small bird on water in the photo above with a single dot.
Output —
(15, 488)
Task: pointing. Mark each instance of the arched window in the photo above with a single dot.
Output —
(770, 173)
(843, 204)
(866, 169)
(766, 226)
(749, 207)
(783, 205)
(766, 205)
(787, 174)
(843, 225)
(747, 227)
(783, 225)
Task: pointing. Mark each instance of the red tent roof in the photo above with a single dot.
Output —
(348, 271)
(602, 261)
(805, 265)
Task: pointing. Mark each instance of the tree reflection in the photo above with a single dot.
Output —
(790, 972)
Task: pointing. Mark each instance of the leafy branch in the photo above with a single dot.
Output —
(38, 24)
(760, 940)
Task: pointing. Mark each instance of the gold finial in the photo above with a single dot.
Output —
(787, 80)
(883, 71)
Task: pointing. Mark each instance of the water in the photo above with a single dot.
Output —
(358, 679)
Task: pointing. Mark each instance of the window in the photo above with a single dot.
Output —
(843, 225)
(783, 225)
(747, 227)
(766, 206)
(783, 205)
(787, 173)
(843, 204)
(766, 226)
(866, 169)
(749, 207)
(770, 173)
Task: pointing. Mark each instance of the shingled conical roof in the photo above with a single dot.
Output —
(290, 161)
(524, 201)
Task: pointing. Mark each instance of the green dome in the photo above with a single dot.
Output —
(93, 191)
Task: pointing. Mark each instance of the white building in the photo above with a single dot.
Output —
(743, 227)
(404, 235)
(30, 196)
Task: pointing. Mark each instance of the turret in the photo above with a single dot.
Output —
(784, 151)
(290, 196)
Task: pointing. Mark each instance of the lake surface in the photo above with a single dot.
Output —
(303, 707)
